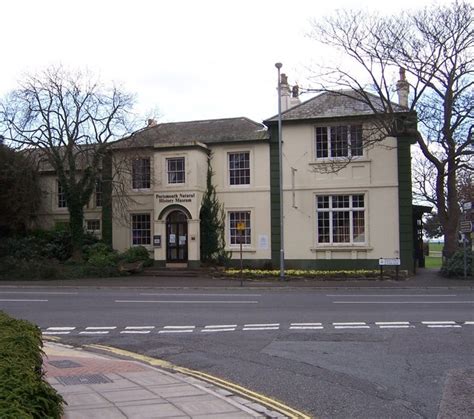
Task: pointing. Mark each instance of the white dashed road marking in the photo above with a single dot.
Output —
(220, 328)
(178, 329)
(306, 326)
(137, 330)
(214, 328)
(441, 324)
(101, 327)
(262, 326)
(351, 325)
(393, 325)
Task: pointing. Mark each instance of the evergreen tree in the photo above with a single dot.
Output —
(212, 223)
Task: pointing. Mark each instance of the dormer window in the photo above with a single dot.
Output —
(339, 141)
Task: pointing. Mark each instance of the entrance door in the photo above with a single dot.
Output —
(176, 237)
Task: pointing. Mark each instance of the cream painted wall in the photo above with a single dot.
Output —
(374, 174)
(254, 197)
(188, 195)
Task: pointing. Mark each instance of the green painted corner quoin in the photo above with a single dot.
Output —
(405, 204)
(274, 196)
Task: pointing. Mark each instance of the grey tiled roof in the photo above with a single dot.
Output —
(211, 131)
(343, 103)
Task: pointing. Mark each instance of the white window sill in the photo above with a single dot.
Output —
(244, 249)
(341, 160)
(142, 190)
(341, 248)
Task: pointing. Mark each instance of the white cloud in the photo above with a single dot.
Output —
(191, 59)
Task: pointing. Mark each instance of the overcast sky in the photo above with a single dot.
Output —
(188, 60)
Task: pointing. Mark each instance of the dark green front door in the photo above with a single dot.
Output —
(176, 237)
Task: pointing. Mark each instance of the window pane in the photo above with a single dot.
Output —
(62, 202)
(93, 225)
(176, 170)
(341, 227)
(356, 140)
(340, 201)
(239, 168)
(141, 229)
(321, 142)
(339, 144)
(98, 193)
(358, 225)
(323, 201)
(358, 201)
(141, 174)
(323, 227)
(235, 235)
(340, 219)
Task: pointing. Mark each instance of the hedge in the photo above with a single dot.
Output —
(24, 392)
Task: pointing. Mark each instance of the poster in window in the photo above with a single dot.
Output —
(182, 240)
(172, 239)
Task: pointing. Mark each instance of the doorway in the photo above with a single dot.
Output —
(176, 237)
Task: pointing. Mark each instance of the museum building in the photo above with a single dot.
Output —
(345, 204)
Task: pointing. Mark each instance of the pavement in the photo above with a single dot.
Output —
(103, 386)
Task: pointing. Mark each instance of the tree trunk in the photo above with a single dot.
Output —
(76, 222)
(107, 200)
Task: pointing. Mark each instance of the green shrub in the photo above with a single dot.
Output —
(100, 255)
(454, 266)
(24, 393)
(27, 248)
(137, 254)
(13, 268)
(98, 248)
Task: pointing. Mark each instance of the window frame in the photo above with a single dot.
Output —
(61, 200)
(141, 175)
(330, 140)
(93, 231)
(248, 235)
(232, 173)
(132, 229)
(168, 160)
(98, 193)
(352, 209)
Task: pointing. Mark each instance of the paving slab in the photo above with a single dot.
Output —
(100, 386)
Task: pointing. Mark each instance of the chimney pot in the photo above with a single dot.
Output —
(403, 89)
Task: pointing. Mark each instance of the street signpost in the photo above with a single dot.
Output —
(389, 262)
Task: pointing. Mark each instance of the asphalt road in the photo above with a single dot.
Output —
(332, 353)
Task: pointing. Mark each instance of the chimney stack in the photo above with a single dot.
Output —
(289, 97)
(403, 89)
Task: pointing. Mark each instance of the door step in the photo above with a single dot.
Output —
(175, 265)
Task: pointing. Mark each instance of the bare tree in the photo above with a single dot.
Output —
(435, 47)
(69, 119)
(20, 194)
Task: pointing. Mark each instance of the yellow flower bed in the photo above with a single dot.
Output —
(300, 273)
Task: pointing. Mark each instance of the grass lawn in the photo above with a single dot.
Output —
(434, 259)
(433, 262)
